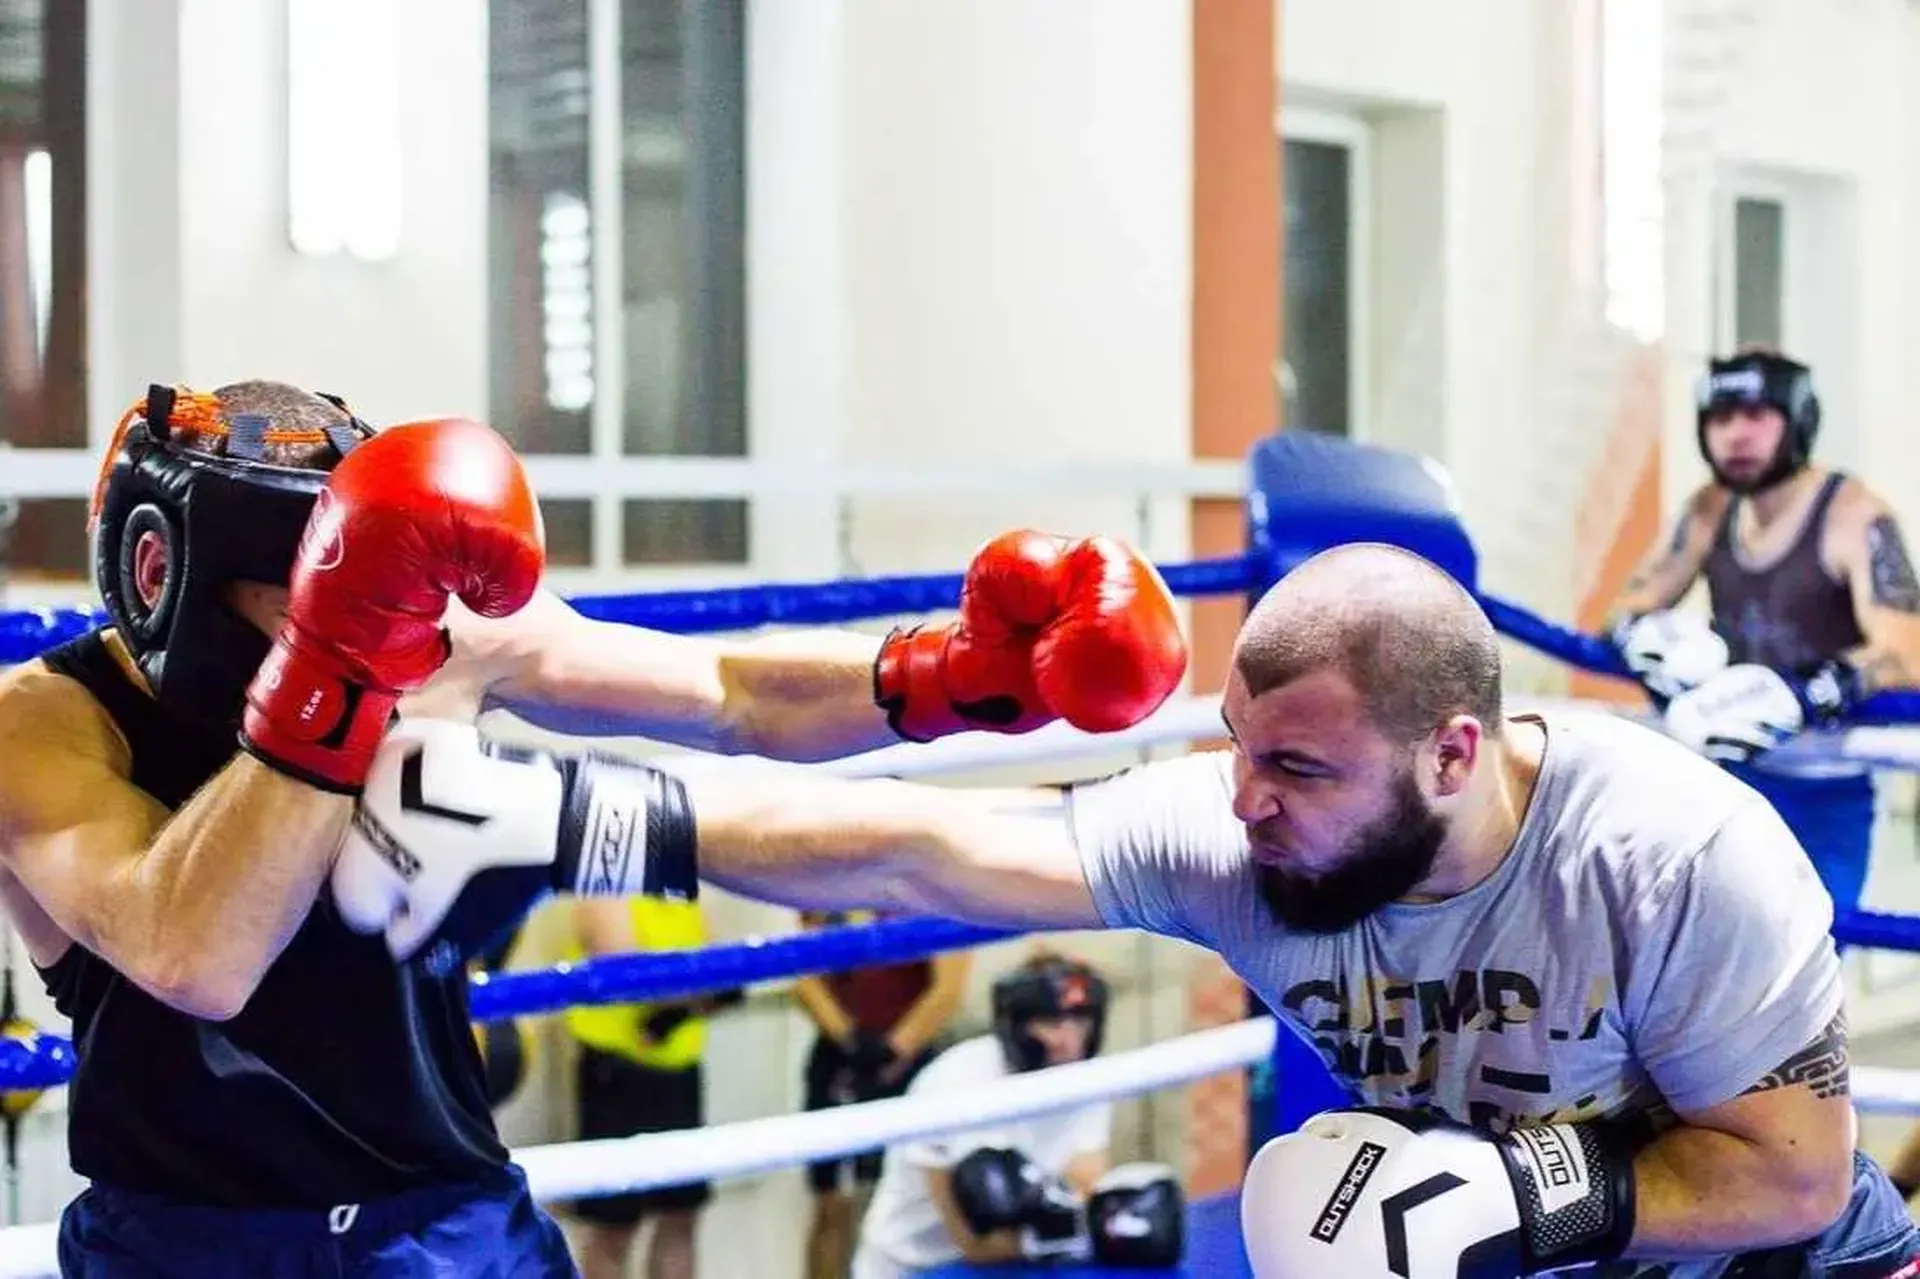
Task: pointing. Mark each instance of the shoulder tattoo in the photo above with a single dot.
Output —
(1894, 585)
(1821, 1065)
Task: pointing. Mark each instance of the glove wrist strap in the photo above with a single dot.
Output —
(625, 829)
(1830, 691)
(1575, 1188)
(307, 716)
(909, 684)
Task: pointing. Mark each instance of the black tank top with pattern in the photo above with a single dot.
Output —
(1791, 615)
(345, 1078)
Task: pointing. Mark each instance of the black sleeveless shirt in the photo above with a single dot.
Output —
(1792, 615)
(346, 1077)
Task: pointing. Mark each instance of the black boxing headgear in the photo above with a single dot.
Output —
(1046, 988)
(1761, 378)
(217, 520)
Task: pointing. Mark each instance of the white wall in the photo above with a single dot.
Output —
(195, 278)
(1016, 206)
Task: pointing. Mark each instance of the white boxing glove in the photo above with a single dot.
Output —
(1376, 1194)
(455, 838)
(1671, 651)
(1740, 713)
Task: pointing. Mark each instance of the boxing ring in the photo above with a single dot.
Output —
(1314, 499)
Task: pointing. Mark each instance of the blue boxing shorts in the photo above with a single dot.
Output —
(1832, 817)
(476, 1230)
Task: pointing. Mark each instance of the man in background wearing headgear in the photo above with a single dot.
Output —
(261, 1089)
(1038, 1189)
(1812, 606)
(877, 1026)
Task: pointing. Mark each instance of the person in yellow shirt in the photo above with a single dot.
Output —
(639, 1071)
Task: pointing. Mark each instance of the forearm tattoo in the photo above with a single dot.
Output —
(1821, 1065)
(1676, 547)
(1894, 585)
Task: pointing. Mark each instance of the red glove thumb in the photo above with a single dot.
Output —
(1115, 652)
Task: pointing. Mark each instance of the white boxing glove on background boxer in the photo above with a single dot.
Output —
(1740, 713)
(455, 838)
(1670, 651)
(1377, 1194)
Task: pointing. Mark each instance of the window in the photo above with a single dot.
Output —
(618, 257)
(539, 225)
(1319, 377)
(683, 173)
(1759, 271)
(1632, 126)
(43, 270)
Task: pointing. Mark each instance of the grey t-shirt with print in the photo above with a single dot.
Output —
(1655, 943)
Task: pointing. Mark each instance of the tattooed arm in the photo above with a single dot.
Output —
(1769, 1167)
(1863, 544)
(1666, 576)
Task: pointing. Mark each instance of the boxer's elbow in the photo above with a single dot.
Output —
(1812, 1186)
(199, 984)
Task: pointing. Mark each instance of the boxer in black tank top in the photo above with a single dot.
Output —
(345, 1078)
(263, 1090)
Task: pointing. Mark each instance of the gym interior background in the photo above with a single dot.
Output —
(791, 289)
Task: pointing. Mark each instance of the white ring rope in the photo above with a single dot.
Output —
(575, 1169)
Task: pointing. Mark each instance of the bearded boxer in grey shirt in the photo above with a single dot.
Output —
(1578, 980)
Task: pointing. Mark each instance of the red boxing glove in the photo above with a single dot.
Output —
(1049, 629)
(415, 515)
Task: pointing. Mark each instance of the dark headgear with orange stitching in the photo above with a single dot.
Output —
(218, 519)
(1046, 986)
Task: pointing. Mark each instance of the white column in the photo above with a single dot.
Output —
(134, 266)
(798, 259)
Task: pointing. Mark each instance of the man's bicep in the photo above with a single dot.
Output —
(1740, 972)
(1887, 568)
(1802, 1107)
(68, 824)
(1886, 596)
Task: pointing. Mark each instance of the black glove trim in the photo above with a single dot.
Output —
(1575, 1188)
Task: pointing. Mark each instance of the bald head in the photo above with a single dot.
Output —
(1410, 640)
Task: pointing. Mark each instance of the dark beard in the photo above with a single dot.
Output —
(1781, 469)
(1385, 860)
